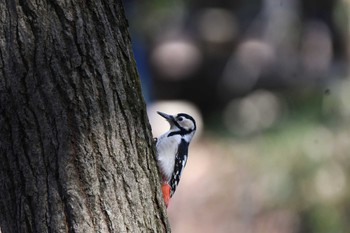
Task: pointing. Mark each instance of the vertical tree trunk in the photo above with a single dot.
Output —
(76, 152)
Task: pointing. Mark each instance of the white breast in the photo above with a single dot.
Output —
(166, 151)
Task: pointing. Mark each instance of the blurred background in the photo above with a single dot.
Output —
(268, 83)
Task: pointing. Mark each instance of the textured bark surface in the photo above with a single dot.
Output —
(76, 152)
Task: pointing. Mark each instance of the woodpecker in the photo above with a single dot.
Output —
(172, 151)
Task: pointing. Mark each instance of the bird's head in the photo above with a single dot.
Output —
(181, 123)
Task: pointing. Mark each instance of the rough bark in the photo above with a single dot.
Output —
(76, 152)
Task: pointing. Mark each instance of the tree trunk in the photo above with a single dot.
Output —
(76, 151)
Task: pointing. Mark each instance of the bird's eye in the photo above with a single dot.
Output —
(180, 119)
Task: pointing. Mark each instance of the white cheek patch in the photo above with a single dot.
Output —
(187, 124)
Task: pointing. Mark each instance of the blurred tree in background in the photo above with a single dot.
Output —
(270, 80)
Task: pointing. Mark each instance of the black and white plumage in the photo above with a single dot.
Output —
(172, 148)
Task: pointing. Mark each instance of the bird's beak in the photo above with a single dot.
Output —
(169, 118)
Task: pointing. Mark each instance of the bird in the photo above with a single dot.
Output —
(172, 151)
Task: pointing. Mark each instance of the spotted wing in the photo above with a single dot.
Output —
(180, 163)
